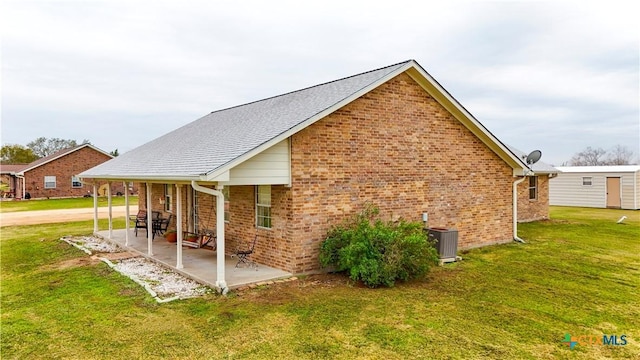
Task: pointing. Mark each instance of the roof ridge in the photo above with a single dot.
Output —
(308, 87)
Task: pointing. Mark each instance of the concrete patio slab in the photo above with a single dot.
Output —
(198, 264)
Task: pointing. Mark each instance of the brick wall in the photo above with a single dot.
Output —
(533, 209)
(398, 148)
(63, 168)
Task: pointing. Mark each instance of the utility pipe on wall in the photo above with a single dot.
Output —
(515, 209)
(221, 283)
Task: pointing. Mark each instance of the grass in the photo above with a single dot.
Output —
(69, 203)
(579, 273)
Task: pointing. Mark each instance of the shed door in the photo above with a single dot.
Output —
(613, 192)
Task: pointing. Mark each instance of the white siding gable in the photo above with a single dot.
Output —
(272, 166)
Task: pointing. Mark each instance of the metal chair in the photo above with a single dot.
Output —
(243, 254)
(141, 220)
(160, 225)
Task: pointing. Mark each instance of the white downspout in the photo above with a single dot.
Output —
(221, 283)
(515, 209)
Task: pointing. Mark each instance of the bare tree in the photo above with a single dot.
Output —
(619, 155)
(43, 147)
(589, 157)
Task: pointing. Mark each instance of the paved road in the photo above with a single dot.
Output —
(57, 216)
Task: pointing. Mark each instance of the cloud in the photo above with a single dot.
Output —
(557, 75)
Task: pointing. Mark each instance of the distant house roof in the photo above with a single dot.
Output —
(11, 168)
(540, 167)
(57, 155)
(600, 169)
(215, 143)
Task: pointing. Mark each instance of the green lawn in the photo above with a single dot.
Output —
(579, 273)
(70, 203)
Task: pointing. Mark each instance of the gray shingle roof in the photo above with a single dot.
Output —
(207, 144)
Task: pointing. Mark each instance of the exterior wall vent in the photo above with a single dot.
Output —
(446, 242)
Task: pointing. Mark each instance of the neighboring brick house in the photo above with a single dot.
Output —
(533, 193)
(292, 166)
(56, 175)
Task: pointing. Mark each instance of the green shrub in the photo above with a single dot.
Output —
(376, 252)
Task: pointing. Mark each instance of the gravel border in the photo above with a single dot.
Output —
(162, 283)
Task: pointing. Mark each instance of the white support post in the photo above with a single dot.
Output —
(127, 213)
(220, 281)
(179, 226)
(149, 222)
(189, 211)
(95, 208)
(109, 203)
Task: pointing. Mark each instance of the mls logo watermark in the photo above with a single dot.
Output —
(592, 340)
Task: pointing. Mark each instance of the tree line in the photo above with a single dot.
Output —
(38, 148)
(618, 155)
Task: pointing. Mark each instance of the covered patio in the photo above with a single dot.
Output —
(198, 264)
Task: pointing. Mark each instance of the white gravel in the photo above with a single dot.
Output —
(162, 283)
(93, 244)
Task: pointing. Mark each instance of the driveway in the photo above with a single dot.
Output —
(57, 216)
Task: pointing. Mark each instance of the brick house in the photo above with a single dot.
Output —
(287, 168)
(56, 175)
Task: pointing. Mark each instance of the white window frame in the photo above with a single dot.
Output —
(263, 207)
(227, 202)
(587, 181)
(168, 197)
(48, 181)
(75, 182)
(533, 187)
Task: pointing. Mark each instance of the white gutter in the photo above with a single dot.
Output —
(221, 283)
(515, 209)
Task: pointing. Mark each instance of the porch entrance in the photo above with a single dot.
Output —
(613, 193)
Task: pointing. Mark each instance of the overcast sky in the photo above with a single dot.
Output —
(556, 76)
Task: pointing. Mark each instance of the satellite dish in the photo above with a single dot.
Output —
(534, 157)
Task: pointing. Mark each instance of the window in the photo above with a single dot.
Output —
(168, 195)
(586, 181)
(533, 188)
(75, 182)
(263, 206)
(225, 192)
(49, 182)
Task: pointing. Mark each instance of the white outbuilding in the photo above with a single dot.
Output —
(616, 187)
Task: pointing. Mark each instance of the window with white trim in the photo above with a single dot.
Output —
(533, 188)
(263, 206)
(75, 182)
(49, 182)
(168, 197)
(225, 192)
(587, 181)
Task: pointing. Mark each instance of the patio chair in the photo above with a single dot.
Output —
(161, 225)
(141, 220)
(243, 254)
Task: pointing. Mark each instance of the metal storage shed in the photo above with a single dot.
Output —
(596, 186)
